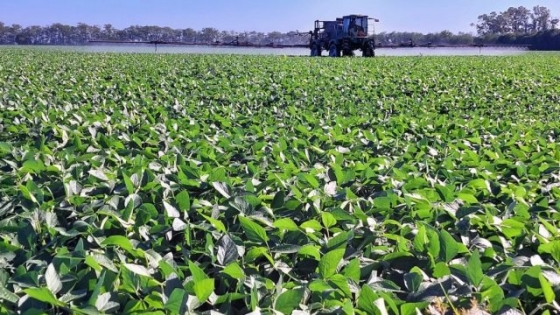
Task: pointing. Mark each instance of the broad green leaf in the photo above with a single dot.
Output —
(27, 194)
(420, 239)
(217, 224)
(176, 301)
(329, 262)
(312, 180)
(382, 203)
(434, 246)
(321, 286)
(128, 183)
(340, 282)
(286, 224)
(449, 248)
(183, 201)
(413, 308)
(105, 262)
(234, 271)
(492, 292)
(288, 301)
(339, 240)
(203, 288)
(120, 241)
(310, 250)
(531, 281)
(479, 184)
(43, 295)
(446, 194)
(469, 198)
(254, 232)
(90, 261)
(353, 271)
(413, 279)
(512, 228)
(257, 252)
(33, 166)
(197, 273)
(474, 269)
(311, 226)
(549, 294)
(441, 270)
(552, 248)
(328, 220)
(366, 300)
(278, 200)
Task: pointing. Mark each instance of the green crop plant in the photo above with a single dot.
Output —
(172, 184)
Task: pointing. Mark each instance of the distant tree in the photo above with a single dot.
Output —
(189, 35)
(108, 31)
(275, 37)
(518, 20)
(209, 34)
(541, 18)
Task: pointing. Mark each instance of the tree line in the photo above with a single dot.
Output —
(61, 34)
(514, 26)
(520, 26)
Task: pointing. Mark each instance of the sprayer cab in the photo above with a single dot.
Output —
(344, 35)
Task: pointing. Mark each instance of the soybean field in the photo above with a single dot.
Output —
(232, 184)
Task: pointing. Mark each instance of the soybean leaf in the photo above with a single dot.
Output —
(549, 294)
(474, 269)
(104, 303)
(288, 301)
(203, 288)
(176, 301)
(412, 280)
(138, 269)
(43, 295)
(352, 270)
(449, 247)
(255, 232)
(8, 295)
(197, 273)
(227, 251)
(286, 224)
(512, 228)
(328, 219)
(53, 281)
(171, 211)
(441, 270)
(222, 188)
(183, 200)
(234, 271)
(329, 262)
(366, 300)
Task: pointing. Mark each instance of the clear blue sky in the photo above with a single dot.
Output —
(260, 15)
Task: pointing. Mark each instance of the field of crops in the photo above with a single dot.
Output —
(167, 184)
